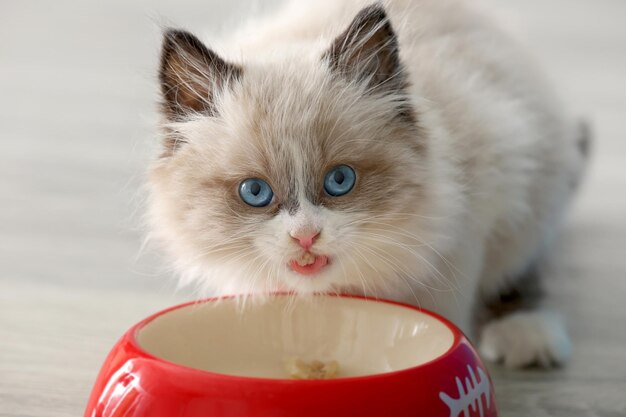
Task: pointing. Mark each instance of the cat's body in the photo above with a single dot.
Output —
(464, 162)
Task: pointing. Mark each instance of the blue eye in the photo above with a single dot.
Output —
(339, 180)
(255, 192)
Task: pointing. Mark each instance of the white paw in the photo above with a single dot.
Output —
(525, 339)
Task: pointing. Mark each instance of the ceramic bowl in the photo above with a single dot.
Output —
(223, 358)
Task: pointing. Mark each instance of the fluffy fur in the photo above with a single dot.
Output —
(465, 160)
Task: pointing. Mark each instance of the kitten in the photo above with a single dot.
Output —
(406, 150)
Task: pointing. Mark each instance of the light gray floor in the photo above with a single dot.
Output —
(77, 97)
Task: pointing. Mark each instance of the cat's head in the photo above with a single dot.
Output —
(306, 174)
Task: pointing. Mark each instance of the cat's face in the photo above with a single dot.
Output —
(305, 176)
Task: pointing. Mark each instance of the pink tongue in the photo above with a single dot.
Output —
(320, 262)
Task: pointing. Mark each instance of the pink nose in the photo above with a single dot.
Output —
(306, 240)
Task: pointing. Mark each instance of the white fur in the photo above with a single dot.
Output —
(526, 338)
(497, 175)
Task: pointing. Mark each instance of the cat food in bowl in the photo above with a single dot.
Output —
(287, 356)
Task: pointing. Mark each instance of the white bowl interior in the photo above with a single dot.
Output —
(365, 337)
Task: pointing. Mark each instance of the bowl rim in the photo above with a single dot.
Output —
(132, 333)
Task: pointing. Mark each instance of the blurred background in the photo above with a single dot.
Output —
(77, 131)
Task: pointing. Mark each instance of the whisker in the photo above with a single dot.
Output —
(396, 264)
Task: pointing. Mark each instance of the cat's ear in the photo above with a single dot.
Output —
(191, 74)
(368, 51)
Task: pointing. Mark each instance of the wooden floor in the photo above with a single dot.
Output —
(77, 97)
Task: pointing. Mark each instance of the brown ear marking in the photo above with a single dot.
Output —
(368, 51)
(189, 74)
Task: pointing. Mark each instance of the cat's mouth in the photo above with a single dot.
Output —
(308, 263)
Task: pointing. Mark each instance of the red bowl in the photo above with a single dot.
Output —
(221, 359)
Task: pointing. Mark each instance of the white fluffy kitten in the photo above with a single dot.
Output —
(406, 150)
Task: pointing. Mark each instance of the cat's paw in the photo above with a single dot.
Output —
(530, 338)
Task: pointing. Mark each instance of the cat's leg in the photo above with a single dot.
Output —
(518, 332)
